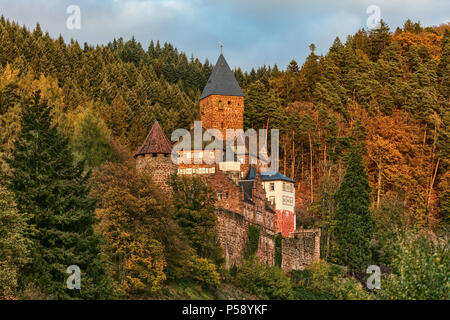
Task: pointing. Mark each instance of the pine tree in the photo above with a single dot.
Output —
(354, 223)
(13, 244)
(53, 190)
(194, 205)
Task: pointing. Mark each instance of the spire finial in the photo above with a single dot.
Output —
(221, 46)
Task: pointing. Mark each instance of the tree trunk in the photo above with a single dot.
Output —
(293, 157)
(433, 178)
(311, 166)
(285, 155)
(379, 188)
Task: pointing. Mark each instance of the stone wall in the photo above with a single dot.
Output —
(159, 166)
(222, 112)
(232, 235)
(300, 250)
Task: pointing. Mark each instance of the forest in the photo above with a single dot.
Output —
(369, 118)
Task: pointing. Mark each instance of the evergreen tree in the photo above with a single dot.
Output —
(194, 205)
(53, 190)
(354, 223)
(13, 244)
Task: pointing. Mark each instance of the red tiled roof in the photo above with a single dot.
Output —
(155, 142)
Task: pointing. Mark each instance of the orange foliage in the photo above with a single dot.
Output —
(432, 41)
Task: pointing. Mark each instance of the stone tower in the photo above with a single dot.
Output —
(154, 156)
(222, 100)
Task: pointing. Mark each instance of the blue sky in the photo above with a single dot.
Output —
(253, 32)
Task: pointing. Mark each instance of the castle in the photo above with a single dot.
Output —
(247, 194)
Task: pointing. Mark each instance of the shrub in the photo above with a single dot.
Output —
(253, 240)
(278, 250)
(420, 270)
(328, 281)
(264, 281)
(204, 272)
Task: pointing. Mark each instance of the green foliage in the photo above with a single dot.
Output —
(138, 223)
(278, 250)
(328, 282)
(204, 272)
(264, 281)
(90, 140)
(262, 108)
(390, 219)
(194, 212)
(420, 269)
(253, 233)
(354, 223)
(53, 191)
(14, 252)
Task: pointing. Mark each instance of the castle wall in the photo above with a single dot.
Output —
(300, 250)
(159, 167)
(232, 234)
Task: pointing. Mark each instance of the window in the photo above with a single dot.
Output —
(288, 201)
(229, 102)
(272, 186)
(290, 187)
(198, 155)
(219, 195)
(202, 171)
(272, 200)
(226, 195)
(212, 170)
(189, 171)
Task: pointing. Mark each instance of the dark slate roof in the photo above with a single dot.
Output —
(272, 176)
(155, 142)
(222, 81)
(251, 174)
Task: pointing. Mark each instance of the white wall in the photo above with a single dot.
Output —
(278, 193)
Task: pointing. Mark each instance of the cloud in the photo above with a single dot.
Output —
(254, 32)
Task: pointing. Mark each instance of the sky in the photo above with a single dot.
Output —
(253, 32)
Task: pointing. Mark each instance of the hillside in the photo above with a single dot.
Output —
(380, 97)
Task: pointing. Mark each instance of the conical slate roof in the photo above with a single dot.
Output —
(222, 81)
(251, 174)
(155, 142)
